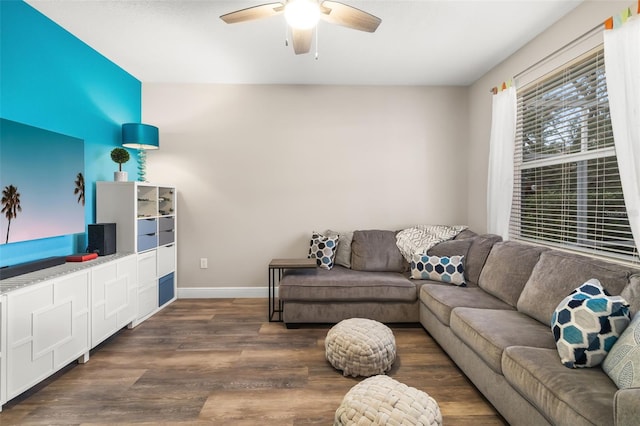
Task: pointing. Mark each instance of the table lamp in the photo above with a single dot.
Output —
(141, 137)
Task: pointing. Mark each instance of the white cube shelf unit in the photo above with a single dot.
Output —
(145, 218)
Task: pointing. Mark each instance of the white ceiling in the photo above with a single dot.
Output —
(420, 42)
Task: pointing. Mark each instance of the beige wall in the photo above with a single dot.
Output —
(582, 19)
(258, 168)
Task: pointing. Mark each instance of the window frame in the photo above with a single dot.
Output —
(546, 85)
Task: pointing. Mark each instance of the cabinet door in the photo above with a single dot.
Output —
(114, 295)
(47, 328)
(147, 284)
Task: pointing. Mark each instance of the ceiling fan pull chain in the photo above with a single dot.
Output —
(286, 34)
(317, 42)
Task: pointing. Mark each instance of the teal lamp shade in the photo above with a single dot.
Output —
(141, 137)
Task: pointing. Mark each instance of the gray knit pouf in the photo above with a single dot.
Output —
(360, 347)
(381, 400)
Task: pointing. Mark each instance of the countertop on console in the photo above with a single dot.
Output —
(31, 278)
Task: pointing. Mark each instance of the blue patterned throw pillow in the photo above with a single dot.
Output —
(448, 269)
(587, 323)
(323, 249)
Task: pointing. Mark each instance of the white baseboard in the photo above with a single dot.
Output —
(222, 292)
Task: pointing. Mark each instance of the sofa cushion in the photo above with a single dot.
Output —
(623, 362)
(441, 299)
(558, 273)
(566, 396)
(323, 249)
(446, 269)
(376, 250)
(508, 268)
(488, 332)
(345, 285)
(477, 255)
(587, 323)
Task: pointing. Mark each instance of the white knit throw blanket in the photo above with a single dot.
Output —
(421, 238)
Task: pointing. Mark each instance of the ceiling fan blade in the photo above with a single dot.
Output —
(348, 16)
(253, 13)
(301, 40)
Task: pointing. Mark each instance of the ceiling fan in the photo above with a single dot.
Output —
(303, 15)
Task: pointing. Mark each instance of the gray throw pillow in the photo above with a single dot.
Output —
(466, 234)
(631, 294)
(376, 250)
(476, 256)
(343, 254)
(450, 248)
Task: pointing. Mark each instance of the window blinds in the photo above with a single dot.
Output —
(567, 189)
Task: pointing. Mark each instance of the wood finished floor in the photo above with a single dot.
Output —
(218, 361)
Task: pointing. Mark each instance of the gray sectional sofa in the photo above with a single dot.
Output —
(372, 281)
(496, 329)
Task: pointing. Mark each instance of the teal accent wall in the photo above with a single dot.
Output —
(52, 80)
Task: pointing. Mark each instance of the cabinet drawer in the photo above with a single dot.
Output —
(146, 226)
(166, 237)
(165, 289)
(166, 223)
(166, 259)
(146, 242)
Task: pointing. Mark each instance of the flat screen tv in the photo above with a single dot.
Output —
(41, 183)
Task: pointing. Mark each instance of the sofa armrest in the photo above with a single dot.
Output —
(626, 407)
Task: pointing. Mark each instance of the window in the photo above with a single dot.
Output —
(567, 189)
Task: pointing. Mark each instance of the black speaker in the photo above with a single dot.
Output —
(102, 238)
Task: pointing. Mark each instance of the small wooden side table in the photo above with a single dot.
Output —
(276, 269)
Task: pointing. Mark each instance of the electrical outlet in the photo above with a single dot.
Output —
(204, 263)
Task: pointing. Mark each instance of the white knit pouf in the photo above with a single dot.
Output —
(360, 347)
(381, 400)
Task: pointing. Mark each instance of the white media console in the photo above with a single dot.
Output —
(52, 317)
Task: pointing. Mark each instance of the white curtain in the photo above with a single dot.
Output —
(622, 65)
(501, 147)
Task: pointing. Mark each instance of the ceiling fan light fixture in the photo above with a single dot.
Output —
(302, 14)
